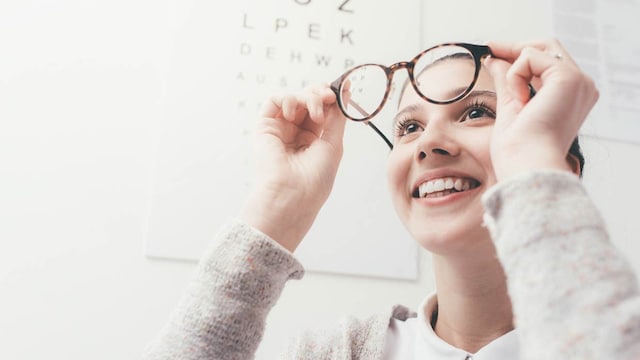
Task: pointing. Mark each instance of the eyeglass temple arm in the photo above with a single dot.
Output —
(375, 128)
(335, 87)
(380, 133)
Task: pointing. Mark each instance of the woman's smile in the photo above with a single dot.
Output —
(444, 186)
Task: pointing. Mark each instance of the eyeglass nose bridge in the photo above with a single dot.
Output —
(397, 66)
(391, 70)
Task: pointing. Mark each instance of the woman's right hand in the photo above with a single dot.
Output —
(298, 147)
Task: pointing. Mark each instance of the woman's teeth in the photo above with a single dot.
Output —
(445, 186)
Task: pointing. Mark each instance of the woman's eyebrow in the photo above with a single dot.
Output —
(457, 91)
(489, 93)
(407, 109)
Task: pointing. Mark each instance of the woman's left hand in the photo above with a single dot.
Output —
(536, 133)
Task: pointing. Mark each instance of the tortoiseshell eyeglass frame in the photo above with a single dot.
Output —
(479, 52)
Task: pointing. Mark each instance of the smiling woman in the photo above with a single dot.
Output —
(482, 175)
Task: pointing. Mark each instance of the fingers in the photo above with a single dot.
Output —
(294, 108)
(498, 69)
(290, 109)
(313, 109)
(317, 99)
(334, 130)
(533, 62)
(511, 51)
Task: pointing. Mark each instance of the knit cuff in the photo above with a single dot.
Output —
(255, 264)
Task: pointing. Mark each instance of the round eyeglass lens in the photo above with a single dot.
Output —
(363, 91)
(444, 73)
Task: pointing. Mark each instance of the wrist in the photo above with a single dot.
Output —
(515, 164)
(284, 217)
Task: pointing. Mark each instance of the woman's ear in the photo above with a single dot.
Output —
(574, 164)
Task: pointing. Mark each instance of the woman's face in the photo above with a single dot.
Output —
(440, 164)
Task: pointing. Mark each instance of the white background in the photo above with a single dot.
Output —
(81, 84)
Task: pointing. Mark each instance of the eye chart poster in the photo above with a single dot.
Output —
(225, 60)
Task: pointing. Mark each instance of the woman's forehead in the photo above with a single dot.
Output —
(446, 77)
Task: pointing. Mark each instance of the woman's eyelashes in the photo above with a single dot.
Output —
(477, 109)
(407, 125)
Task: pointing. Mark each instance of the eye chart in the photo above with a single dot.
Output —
(225, 60)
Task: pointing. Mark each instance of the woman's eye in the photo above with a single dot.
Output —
(407, 127)
(411, 128)
(477, 113)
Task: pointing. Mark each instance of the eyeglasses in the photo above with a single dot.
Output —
(362, 91)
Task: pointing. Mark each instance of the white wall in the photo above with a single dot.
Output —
(81, 84)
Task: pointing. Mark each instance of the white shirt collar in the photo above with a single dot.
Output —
(429, 346)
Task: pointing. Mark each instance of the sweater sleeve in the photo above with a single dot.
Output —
(353, 338)
(222, 314)
(574, 296)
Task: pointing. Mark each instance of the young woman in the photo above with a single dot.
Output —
(480, 174)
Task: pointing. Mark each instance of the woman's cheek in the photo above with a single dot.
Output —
(398, 170)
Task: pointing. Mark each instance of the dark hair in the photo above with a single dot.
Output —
(577, 152)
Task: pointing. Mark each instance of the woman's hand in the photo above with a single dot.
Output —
(298, 147)
(536, 133)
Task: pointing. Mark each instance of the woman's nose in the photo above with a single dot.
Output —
(437, 140)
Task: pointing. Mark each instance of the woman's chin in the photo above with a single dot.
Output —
(446, 241)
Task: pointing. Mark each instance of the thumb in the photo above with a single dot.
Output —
(498, 69)
(507, 102)
(334, 130)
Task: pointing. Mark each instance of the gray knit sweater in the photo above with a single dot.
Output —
(574, 296)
